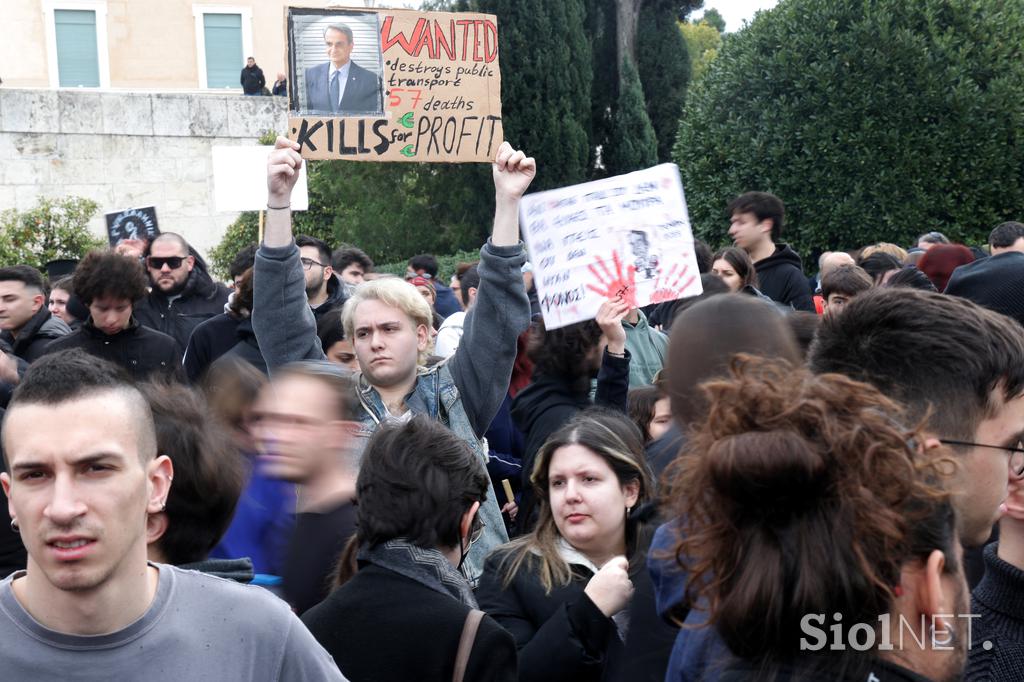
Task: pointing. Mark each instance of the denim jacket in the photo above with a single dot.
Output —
(464, 391)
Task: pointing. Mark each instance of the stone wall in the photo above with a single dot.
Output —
(126, 149)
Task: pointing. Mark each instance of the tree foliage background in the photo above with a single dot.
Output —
(872, 120)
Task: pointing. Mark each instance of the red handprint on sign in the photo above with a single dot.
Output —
(614, 284)
(667, 286)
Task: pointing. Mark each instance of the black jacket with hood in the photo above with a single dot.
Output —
(177, 316)
(141, 351)
(336, 297)
(782, 279)
(36, 335)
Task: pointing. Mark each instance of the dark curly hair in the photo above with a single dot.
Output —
(804, 494)
(103, 274)
(562, 352)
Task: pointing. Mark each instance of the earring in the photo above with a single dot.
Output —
(628, 510)
(14, 526)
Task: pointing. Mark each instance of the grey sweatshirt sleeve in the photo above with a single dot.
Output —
(482, 365)
(281, 318)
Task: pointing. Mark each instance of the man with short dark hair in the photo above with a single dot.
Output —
(1008, 236)
(323, 288)
(839, 286)
(756, 226)
(947, 360)
(996, 282)
(252, 79)
(90, 606)
(26, 323)
(351, 264)
(425, 265)
(341, 86)
(183, 293)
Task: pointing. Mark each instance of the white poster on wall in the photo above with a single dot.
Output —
(240, 180)
(625, 236)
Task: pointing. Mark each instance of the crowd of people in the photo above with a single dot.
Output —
(320, 472)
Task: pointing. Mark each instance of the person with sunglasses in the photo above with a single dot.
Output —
(182, 293)
(408, 613)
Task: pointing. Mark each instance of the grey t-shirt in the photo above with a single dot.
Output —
(198, 628)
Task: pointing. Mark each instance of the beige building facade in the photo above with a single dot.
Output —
(142, 44)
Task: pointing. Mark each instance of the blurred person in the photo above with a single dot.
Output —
(389, 324)
(110, 286)
(1008, 236)
(650, 410)
(996, 283)
(60, 295)
(90, 606)
(574, 592)
(939, 262)
(209, 475)
(26, 324)
(324, 290)
(406, 612)
(842, 284)
(243, 260)
(897, 252)
(756, 226)
(251, 79)
(798, 540)
(911, 277)
(804, 326)
(665, 314)
(449, 334)
(930, 239)
(565, 361)
(304, 431)
(263, 519)
(280, 88)
(647, 348)
(880, 266)
(425, 288)
(425, 265)
(183, 293)
(337, 348)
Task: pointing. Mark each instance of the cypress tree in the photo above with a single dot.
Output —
(663, 62)
(633, 145)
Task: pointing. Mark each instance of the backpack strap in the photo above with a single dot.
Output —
(473, 619)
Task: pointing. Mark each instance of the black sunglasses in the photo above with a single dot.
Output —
(157, 263)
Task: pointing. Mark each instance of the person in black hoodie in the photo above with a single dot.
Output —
(252, 79)
(565, 362)
(183, 293)
(26, 323)
(229, 333)
(109, 284)
(755, 226)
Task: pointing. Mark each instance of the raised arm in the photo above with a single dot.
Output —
(482, 365)
(281, 318)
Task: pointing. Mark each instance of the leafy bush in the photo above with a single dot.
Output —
(54, 229)
(872, 120)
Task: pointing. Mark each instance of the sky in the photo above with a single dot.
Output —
(735, 12)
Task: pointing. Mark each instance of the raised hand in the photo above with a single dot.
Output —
(513, 172)
(609, 319)
(283, 166)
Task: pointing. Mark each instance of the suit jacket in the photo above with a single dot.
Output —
(362, 91)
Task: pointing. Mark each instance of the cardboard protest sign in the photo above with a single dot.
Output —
(394, 85)
(132, 223)
(240, 180)
(628, 235)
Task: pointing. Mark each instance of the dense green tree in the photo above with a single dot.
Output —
(663, 63)
(53, 229)
(702, 43)
(871, 120)
(634, 145)
(715, 19)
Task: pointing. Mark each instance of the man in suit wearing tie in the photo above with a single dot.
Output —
(341, 86)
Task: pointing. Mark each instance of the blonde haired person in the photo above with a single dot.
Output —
(574, 592)
(893, 250)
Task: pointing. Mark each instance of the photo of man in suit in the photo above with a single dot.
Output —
(341, 86)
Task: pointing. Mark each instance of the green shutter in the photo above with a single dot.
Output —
(78, 61)
(224, 59)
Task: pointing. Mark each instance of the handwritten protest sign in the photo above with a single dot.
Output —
(411, 86)
(628, 235)
(132, 223)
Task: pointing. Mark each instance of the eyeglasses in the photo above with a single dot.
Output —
(308, 263)
(1016, 453)
(157, 263)
(478, 530)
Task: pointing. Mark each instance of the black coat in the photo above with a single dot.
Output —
(219, 336)
(383, 627)
(564, 636)
(781, 278)
(36, 335)
(141, 351)
(201, 299)
(252, 80)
